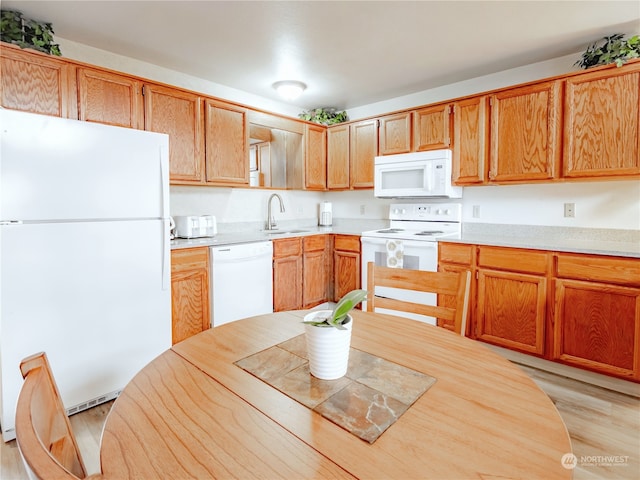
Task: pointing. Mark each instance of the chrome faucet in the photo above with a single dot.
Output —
(271, 223)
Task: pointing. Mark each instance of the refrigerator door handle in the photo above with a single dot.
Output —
(166, 254)
(164, 183)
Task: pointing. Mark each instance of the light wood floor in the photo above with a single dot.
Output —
(604, 428)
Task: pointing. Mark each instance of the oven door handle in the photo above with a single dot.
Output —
(406, 243)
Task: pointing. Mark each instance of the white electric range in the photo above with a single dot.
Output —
(410, 242)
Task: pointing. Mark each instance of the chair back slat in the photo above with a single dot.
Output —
(453, 285)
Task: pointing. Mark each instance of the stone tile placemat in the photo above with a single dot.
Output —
(366, 401)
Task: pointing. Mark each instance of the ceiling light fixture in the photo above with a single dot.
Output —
(289, 89)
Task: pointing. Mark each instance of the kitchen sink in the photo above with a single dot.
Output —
(284, 232)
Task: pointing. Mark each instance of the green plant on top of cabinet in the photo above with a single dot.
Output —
(109, 98)
(35, 82)
(602, 123)
(227, 141)
(525, 133)
(178, 114)
(315, 157)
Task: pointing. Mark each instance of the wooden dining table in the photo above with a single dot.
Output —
(197, 411)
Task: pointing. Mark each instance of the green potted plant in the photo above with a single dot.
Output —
(27, 33)
(328, 337)
(324, 116)
(614, 49)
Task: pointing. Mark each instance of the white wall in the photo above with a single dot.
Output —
(598, 204)
(528, 73)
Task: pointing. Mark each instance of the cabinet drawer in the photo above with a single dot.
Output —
(621, 271)
(287, 247)
(455, 253)
(187, 258)
(349, 243)
(314, 243)
(514, 259)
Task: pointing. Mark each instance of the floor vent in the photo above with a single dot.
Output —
(93, 402)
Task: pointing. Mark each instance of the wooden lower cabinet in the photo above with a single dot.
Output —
(190, 308)
(315, 270)
(578, 309)
(287, 274)
(346, 265)
(597, 316)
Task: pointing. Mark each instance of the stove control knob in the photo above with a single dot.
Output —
(438, 212)
(447, 212)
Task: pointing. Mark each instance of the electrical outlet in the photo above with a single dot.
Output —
(569, 210)
(361, 209)
(476, 211)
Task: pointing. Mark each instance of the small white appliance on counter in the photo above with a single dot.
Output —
(85, 271)
(195, 226)
(325, 216)
(411, 242)
(415, 175)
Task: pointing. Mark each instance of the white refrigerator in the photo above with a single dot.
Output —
(84, 255)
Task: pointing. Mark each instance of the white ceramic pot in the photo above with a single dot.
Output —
(327, 347)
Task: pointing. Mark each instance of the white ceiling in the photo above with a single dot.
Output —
(348, 53)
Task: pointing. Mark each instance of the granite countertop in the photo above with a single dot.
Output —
(621, 243)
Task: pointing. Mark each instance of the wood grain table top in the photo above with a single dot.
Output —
(193, 413)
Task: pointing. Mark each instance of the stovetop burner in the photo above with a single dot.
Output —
(391, 230)
(429, 232)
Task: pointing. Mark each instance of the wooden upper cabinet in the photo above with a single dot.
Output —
(315, 157)
(227, 137)
(36, 83)
(178, 114)
(602, 124)
(105, 97)
(431, 128)
(362, 150)
(525, 133)
(338, 157)
(395, 134)
(470, 140)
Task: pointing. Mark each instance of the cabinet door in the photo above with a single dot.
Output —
(346, 265)
(525, 133)
(602, 124)
(597, 326)
(178, 114)
(287, 283)
(470, 141)
(105, 97)
(227, 138)
(511, 310)
(35, 83)
(362, 150)
(338, 157)
(431, 128)
(190, 312)
(314, 279)
(315, 177)
(395, 134)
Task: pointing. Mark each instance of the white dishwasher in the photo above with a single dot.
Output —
(242, 281)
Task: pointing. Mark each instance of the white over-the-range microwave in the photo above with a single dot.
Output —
(415, 175)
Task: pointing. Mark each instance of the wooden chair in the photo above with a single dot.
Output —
(455, 285)
(43, 431)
